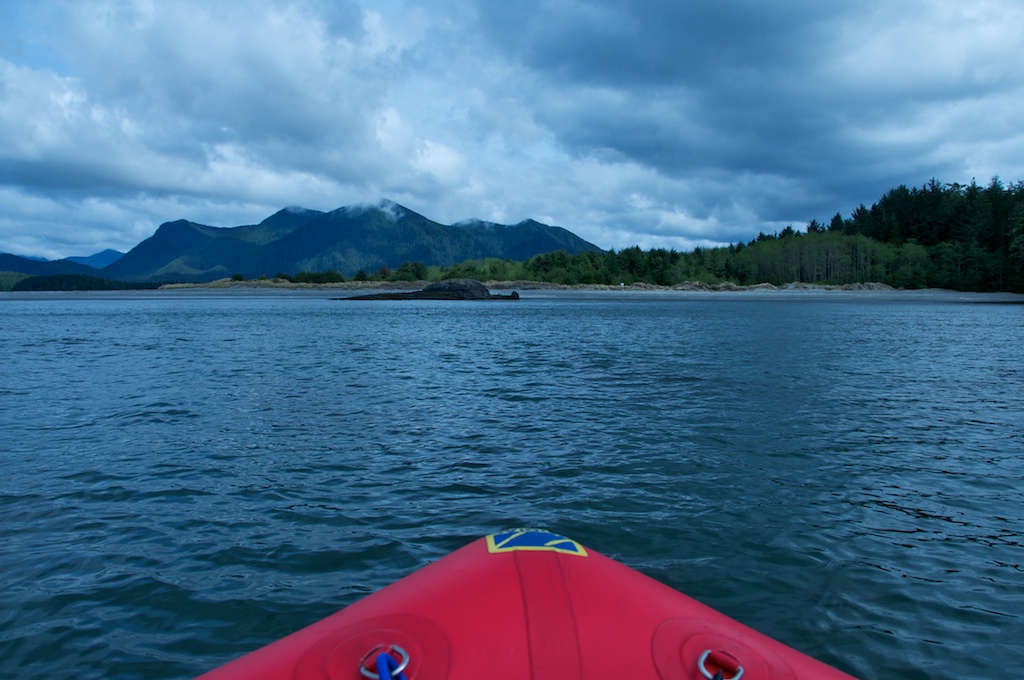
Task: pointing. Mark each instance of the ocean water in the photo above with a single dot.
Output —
(185, 476)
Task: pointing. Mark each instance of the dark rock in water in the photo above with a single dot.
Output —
(455, 289)
(458, 289)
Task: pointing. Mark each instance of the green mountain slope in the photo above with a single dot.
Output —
(25, 265)
(346, 240)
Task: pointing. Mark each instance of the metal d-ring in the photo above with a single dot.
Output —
(388, 649)
(707, 674)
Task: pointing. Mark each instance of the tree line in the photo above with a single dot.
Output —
(70, 282)
(962, 237)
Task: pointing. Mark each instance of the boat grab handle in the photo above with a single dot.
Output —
(738, 670)
(388, 667)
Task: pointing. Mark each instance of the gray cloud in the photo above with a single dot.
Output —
(794, 90)
(626, 121)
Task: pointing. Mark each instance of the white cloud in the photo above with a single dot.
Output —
(939, 49)
(444, 164)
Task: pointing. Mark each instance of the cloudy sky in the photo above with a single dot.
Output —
(659, 123)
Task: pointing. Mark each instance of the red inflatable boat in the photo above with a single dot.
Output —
(526, 604)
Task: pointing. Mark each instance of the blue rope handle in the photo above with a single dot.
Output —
(385, 664)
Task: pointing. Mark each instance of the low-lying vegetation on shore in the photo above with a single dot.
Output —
(691, 286)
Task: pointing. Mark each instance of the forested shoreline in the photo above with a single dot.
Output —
(955, 236)
(961, 237)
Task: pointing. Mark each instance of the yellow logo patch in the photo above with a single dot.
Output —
(533, 539)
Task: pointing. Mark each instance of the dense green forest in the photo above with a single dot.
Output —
(62, 282)
(956, 236)
(962, 237)
(9, 279)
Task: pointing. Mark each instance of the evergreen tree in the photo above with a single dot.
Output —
(1016, 232)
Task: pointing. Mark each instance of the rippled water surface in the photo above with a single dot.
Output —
(187, 476)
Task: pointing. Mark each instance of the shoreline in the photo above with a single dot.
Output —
(765, 291)
(688, 286)
(541, 290)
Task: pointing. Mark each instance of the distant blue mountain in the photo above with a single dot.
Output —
(100, 259)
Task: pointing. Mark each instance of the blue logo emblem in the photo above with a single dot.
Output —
(533, 539)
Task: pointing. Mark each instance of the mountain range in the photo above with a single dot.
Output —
(345, 240)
